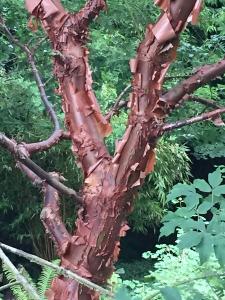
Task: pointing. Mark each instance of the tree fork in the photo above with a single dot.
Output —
(110, 182)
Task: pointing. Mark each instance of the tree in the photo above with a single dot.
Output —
(110, 183)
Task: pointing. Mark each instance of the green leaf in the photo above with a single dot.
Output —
(192, 200)
(168, 228)
(215, 178)
(219, 247)
(205, 247)
(170, 293)
(204, 207)
(184, 212)
(180, 189)
(213, 226)
(122, 294)
(202, 185)
(190, 239)
(219, 190)
(188, 224)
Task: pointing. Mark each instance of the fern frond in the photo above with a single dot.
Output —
(16, 289)
(45, 279)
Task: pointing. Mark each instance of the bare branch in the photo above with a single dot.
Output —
(206, 116)
(44, 97)
(90, 11)
(207, 102)
(56, 135)
(119, 103)
(19, 277)
(59, 270)
(21, 154)
(7, 286)
(201, 77)
(52, 220)
(38, 44)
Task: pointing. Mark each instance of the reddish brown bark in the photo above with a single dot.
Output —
(110, 182)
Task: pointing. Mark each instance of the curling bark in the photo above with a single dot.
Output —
(110, 183)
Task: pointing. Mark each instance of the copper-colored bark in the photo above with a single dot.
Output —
(110, 182)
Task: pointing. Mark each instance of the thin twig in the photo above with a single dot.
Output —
(199, 118)
(187, 281)
(119, 103)
(59, 270)
(207, 102)
(39, 42)
(7, 286)
(19, 277)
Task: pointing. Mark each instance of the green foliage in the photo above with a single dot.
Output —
(45, 279)
(17, 289)
(176, 275)
(181, 271)
(43, 283)
(199, 215)
(114, 37)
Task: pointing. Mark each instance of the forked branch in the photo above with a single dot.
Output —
(21, 154)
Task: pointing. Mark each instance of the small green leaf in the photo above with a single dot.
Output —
(192, 224)
(202, 185)
(170, 293)
(185, 212)
(205, 247)
(219, 190)
(168, 228)
(215, 178)
(219, 250)
(122, 294)
(190, 239)
(192, 200)
(204, 207)
(180, 189)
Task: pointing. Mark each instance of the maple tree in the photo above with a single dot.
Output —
(110, 182)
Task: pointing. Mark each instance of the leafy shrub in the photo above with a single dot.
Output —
(200, 214)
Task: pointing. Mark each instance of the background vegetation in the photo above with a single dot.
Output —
(113, 39)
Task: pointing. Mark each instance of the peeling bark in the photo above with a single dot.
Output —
(110, 182)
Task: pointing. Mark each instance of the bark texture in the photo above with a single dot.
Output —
(110, 182)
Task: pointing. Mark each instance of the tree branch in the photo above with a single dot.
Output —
(202, 76)
(57, 133)
(7, 286)
(59, 270)
(21, 154)
(206, 116)
(52, 220)
(19, 277)
(90, 11)
(207, 102)
(135, 156)
(119, 103)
